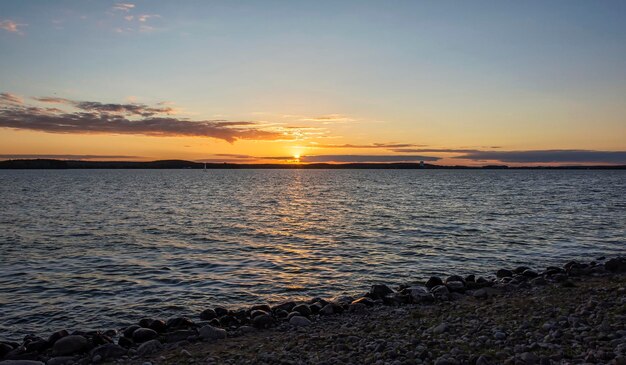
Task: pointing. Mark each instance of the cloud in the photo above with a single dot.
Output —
(132, 108)
(11, 26)
(123, 6)
(329, 119)
(89, 117)
(373, 145)
(10, 98)
(144, 17)
(548, 156)
(357, 158)
(66, 157)
(431, 150)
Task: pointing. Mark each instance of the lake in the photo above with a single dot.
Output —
(83, 249)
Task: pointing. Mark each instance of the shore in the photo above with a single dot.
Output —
(560, 315)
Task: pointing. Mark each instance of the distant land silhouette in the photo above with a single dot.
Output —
(182, 164)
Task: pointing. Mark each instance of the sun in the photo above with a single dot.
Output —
(296, 156)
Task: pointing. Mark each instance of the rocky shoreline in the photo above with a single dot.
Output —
(560, 315)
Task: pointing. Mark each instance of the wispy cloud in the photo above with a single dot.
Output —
(431, 150)
(11, 98)
(329, 119)
(11, 26)
(123, 7)
(109, 118)
(373, 145)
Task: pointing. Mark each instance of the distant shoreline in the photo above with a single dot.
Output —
(52, 164)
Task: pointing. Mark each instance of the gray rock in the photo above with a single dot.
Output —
(441, 328)
(486, 292)
(327, 309)
(420, 294)
(70, 345)
(380, 290)
(108, 351)
(263, 321)
(357, 308)
(149, 347)
(446, 361)
(180, 335)
(529, 358)
(61, 360)
(299, 321)
(483, 360)
(144, 334)
(504, 273)
(209, 332)
(499, 336)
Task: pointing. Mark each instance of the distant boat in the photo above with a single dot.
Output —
(205, 166)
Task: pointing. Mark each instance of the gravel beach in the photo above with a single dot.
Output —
(575, 314)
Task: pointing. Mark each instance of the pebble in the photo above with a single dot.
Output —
(70, 345)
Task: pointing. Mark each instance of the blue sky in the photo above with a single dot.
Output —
(519, 75)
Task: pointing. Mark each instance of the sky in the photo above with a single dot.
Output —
(445, 82)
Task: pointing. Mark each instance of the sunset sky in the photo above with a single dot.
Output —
(481, 82)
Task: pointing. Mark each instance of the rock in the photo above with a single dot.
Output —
(57, 335)
(185, 353)
(287, 307)
(21, 362)
(357, 308)
(380, 291)
(69, 345)
(128, 331)
(433, 281)
(149, 347)
(221, 311)
(470, 278)
(209, 332)
(529, 358)
(303, 309)
(327, 309)
(144, 334)
(96, 359)
(420, 294)
(538, 281)
(441, 328)
(456, 286)
(504, 273)
(616, 265)
(454, 278)
(483, 360)
(258, 312)
(158, 325)
(108, 351)
(4, 349)
(125, 342)
(180, 323)
(530, 273)
(485, 292)
(263, 321)
(228, 320)
(440, 292)
(520, 269)
(179, 335)
(363, 300)
(500, 336)
(299, 321)
(61, 360)
(208, 314)
(262, 307)
(37, 345)
(443, 360)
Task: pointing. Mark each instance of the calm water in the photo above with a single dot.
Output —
(97, 249)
